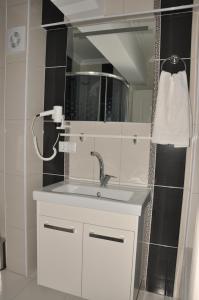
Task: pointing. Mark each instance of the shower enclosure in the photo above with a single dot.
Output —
(96, 96)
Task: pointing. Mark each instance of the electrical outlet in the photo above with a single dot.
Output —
(67, 147)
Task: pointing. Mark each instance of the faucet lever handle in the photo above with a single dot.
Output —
(112, 176)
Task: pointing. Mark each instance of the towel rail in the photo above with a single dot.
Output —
(134, 137)
(162, 59)
(174, 59)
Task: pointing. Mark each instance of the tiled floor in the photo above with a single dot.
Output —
(149, 296)
(16, 287)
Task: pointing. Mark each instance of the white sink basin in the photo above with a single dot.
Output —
(99, 192)
(122, 200)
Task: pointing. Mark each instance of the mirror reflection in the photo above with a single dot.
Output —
(103, 84)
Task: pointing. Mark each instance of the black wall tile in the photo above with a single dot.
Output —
(107, 68)
(50, 13)
(166, 216)
(170, 166)
(56, 47)
(161, 270)
(170, 162)
(176, 34)
(50, 179)
(55, 166)
(54, 88)
(170, 3)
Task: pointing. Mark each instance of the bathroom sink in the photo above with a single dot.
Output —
(114, 198)
(99, 192)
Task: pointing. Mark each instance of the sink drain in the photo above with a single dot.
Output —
(99, 195)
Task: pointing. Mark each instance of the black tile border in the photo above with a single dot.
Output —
(56, 44)
(161, 270)
(170, 164)
(50, 13)
(54, 88)
(167, 205)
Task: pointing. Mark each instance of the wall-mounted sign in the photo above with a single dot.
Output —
(16, 39)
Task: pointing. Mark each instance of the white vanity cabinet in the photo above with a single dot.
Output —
(60, 254)
(107, 263)
(87, 252)
(90, 247)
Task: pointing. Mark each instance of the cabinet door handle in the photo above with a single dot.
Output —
(70, 230)
(105, 237)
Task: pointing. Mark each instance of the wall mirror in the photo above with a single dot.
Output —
(110, 72)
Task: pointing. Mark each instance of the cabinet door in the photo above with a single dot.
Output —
(107, 263)
(60, 254)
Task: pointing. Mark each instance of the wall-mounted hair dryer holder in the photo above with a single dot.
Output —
(57, 117)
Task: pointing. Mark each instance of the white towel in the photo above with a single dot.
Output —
(172, 116)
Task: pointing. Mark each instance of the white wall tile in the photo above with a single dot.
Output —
(2, 35)
(113, 7)
(15, 201)
(195, 170)
(35, 100)
(83, 127)
(194, 206)
(34, 182)
(1, 146)
(2, 74)
(110, 150)
(37, 47)
(194, 70)
(15, 91)
(132, 6)
(109, 128)
(81, 164)
(135, 157)
(16, 13)
(14, 2)
(16, 250)
(35, 13)
(140, 129)
(34, 165)
(122, 159)
(16, 57)
(2, 206)
(14, 147)
(32, 251)
(188, 166)
(135, 162)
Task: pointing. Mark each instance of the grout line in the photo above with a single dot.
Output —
(25, 139)
(30, 280)
(54, 67)
(159, 245)
(169, 187)
(52, 174)
(44, 26)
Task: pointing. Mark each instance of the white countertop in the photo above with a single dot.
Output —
(132, 207)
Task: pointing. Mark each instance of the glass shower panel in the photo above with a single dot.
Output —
(96, 97)
(83, 98)
(116, 100)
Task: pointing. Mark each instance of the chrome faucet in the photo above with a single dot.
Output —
(104, 178)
